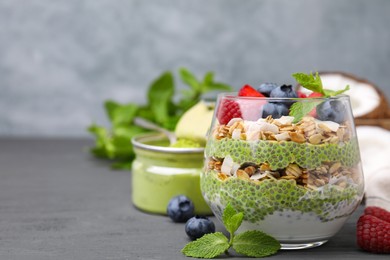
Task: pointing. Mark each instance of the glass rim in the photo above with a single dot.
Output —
(139, 141)
(234, 95)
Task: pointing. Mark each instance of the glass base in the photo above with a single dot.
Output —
(295, 246)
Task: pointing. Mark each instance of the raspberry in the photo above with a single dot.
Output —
(378, 212)
(227, 110)
(249, 91)
(373, 234)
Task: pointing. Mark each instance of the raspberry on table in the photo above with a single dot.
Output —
(378, 212)
(373, 234)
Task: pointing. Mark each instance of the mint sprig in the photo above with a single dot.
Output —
(208, 246)
(247, 243)
(252, 243)
(311, 82)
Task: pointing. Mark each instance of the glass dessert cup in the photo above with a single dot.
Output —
(298, 182)
(160, 172)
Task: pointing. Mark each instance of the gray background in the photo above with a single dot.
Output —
(59, 60)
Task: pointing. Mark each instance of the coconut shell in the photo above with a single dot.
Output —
(381, 122)
(382, 109)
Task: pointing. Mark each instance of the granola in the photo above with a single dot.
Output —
(308, 130)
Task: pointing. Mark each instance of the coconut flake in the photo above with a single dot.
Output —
(267, 127)
(258, 176)
(252, 131)
(227, 165)
(282, 136)
(236, 134)
(233, 120)
(252, 136)
(285, 120)
(332, 126)
(254, 128)
(247, 125)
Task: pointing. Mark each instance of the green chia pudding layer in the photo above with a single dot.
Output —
(272, 169)
(259, 199)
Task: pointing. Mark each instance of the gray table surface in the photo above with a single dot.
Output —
(58, 202)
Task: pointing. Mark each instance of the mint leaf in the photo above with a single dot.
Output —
(331, 93)
(208, 246)
(160, 96)
(120, 114)
(300, 109)
(310, 82)
(228, 213)
(127, 131)
(102, 141)
(189, 79)
(234, 223)
(208, 79)
(219, 86)
(110, 107)
(255, 244)
(126, 165)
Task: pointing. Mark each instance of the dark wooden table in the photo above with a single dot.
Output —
(57, 202)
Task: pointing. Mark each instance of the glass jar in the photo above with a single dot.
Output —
(160, 172)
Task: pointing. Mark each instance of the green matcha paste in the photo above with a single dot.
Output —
(187, 143)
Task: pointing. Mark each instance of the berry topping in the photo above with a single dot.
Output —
(301, 94)
(180, 209)
(373, 234)
(248, 91)
(276, 110)
(284, 91)
(266, 88)
(331, 110)
(315, 94)
(198, 226)
(378, 212)
(227, 110)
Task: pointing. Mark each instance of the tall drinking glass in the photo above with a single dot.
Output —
(295, 178)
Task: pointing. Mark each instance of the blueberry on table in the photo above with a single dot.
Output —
(276, 110)
(331, 110)
(266, 88)
(198, 226)
(180, 208)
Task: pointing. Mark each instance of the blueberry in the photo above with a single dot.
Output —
(266, 88)
(276, 110)
(198, 226)
(284, 91)
(180, 209)
(331, 110)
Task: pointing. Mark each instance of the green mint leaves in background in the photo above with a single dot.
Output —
(250, 243)
(311, 82)
(113, 143)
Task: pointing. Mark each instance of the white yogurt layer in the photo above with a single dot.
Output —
(289, 225)
(295, 226)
